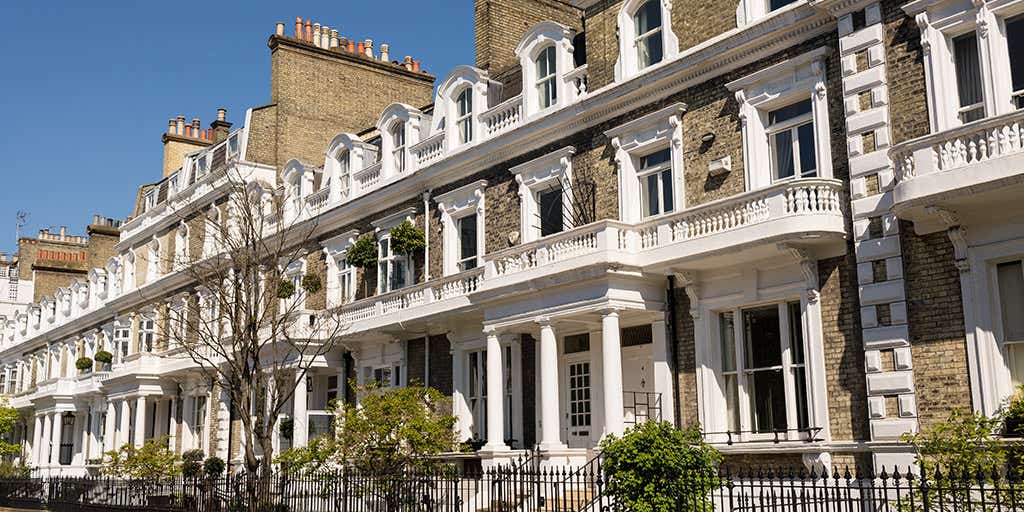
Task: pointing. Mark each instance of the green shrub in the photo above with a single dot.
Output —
(83, 363)
(104, 357)
(152, 460)
(286, 427)
(407, 238)
(1013, 415)
(655, 467)
(191, 463)
(363, 253)
(213, 466)
(311, 283)
(285, 289)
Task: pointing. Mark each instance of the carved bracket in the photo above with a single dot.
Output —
(957, 234)
(689, 281)
(809, 269)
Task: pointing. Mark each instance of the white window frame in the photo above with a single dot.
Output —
(398, 118)
(293, 273)
(542, 37)
(774, 87)
(627, 64)
(454, 206)
(398, 146)
(539, 175)
(121, 340)
(382, 229)
(641, 137)
(941, 22)
(749, 11)
(200, 415)
(146, 330)
(464, 121)
(177, 321)
(1001, 334)
(211, 242)
(791, 126)
(644, 173)
(336, 252)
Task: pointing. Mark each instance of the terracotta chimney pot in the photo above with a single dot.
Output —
(309, 31)
(416, 66)
(352, 46)
(298, 28)
(360, 49)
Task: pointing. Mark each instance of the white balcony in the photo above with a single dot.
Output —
(975, 170)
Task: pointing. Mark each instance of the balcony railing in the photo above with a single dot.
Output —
(367, 178)
(551, 249)
(429, 150)
(318, 200)
(450, 287)
(970, 144)
(503, 117)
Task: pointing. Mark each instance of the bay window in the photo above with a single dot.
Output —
(763, 369)
(122, 342)
(656, 185)
(464, 115)
(791, 140)
(968, 78)
(1010, 283)
(547, 84)
(147, 332)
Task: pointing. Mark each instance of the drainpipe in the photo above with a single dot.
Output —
(673, 347)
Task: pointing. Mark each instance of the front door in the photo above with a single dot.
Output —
(579, 410)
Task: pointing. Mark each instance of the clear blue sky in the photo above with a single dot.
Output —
(87, 87)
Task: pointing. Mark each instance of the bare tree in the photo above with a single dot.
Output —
(244, 322)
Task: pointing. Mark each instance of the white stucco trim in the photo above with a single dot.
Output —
(627, 64)
(453, 206)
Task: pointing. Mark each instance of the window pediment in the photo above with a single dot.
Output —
(336, 246)
(461, 199)
(386, 223)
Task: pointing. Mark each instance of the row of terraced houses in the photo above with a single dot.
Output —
(797, 222)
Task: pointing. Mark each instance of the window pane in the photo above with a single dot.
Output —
(1015, 361)
(653, 208)
(968, 69)
(647, 17)
(790, 112)
(1015, 42)
(762, 336)
(577, 343)
(467, 238)
(655, 159)
(650, 50)
(767, 400)
(1011, 299)
(796, 332)
(637, 335)
(782, 144)
(550, 212)
(727, 336)
(666, 190)
(800, 380)
(732, 400)
(778, 4)
(808, 159)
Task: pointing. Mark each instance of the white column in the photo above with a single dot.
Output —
(37, 441)
(56, 426)
(459, 406)
(549, 415)
(140, 421)
(173, 420)
(611, 358)
(300, 429)
(122, 430)
(495, 396)
(662, 370)
(110, 428)
(187, 417)
(80, 434)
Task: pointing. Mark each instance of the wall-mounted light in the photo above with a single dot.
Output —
(707, 138)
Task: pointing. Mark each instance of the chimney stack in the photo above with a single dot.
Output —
(220, 128)
(316, 34)
(298, 28)
(368, 46)
(181, 138)
(334, 38)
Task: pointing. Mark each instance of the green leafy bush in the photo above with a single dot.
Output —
(152, 460)
(285, 289)
(213, 466)
(966, 443)
(83, 363)
(407, 238)
(286, 427)
(363, 253)
(1013, 415)
(191, 463)
(311, 283)
(656, 467)
(104, 357)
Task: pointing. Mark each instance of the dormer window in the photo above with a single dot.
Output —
(647, 22)
(398, 146)
(464, 115)
(645, 36)
(547, 84)
(344, 173)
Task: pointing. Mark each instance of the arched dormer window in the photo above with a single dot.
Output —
(347, 155)
(545, 56)
(399, 126)
(462, 99)
(397, 133)
(645, 36)
(298, 181)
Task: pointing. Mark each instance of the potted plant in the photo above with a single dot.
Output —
(83, 364)
(285, 289)
(363, 255)
(311, 283)
(407, 238)
(105, 358)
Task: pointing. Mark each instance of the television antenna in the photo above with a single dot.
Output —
(20, 219)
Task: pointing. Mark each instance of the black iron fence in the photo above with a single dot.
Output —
(528, 486)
